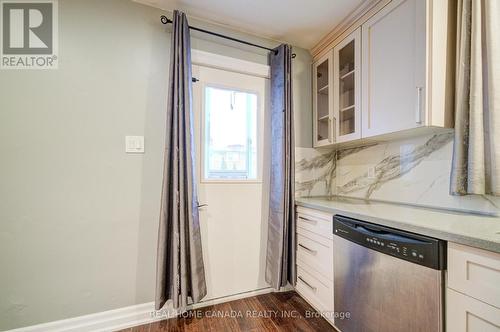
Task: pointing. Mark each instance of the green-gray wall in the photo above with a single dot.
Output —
(78, 216)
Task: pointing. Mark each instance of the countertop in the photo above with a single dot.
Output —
(478, 231)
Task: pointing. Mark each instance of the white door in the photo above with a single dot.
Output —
(229, 116)
(393, 74)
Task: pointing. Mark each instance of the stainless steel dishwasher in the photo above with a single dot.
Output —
(386, 279)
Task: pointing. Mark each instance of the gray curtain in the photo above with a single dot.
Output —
(180, 271)
(280, 258)
(476, 153)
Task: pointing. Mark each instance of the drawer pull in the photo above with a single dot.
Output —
(307, 284)
(308, 220)
(308, 249)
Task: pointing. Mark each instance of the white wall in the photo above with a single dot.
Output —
(78, 216)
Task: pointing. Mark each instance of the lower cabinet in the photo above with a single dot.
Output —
(466, 314)
(473, 293)
(316, 289)
(315, 260)
(473, 278)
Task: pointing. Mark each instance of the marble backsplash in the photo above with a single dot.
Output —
(412, 171)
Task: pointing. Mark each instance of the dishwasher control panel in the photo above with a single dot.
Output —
(411, 247)
(396, 248)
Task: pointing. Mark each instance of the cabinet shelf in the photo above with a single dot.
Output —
(323, 90)
(347, 108)
(347, 74)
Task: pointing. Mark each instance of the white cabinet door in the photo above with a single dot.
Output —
(474, 272)
(322, 101)
(466, 314)
(393, 62)
(346, 88)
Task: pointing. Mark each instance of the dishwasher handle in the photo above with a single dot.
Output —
(355, 226)
(371, 230)
(382, 234)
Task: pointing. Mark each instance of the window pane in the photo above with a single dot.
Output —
(230, 134)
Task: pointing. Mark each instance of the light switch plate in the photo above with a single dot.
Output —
(134, 144)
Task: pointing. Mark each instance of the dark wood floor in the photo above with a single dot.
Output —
(268, 312)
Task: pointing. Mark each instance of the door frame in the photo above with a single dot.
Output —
(257, 72)
(217, 61)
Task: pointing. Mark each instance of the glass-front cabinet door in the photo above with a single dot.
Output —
(322, 101)
(346, 88)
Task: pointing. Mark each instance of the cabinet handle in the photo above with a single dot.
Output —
(307, 284)
(308, 249)
(330, 130)
(418, 110)
(308, 220)
(332, 125)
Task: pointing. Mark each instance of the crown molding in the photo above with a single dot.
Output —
(347, 25)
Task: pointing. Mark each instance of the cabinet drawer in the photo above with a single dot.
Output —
(315, 252)
(465, 314)
(317, 290)
(474, 272)
(315, 221)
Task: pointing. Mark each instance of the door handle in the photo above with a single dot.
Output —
(371, 230)
(202, 205)
(307, 284)
(308, 249)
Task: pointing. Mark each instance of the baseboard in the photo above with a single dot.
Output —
(231, 297)
(117, 319)
(101, 321)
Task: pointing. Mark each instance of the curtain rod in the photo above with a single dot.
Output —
(166, 20)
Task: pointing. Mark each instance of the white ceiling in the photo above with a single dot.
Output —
(298, 22)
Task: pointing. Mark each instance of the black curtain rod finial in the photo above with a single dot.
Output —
(165, 20)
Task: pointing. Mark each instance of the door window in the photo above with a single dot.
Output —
(230, 144)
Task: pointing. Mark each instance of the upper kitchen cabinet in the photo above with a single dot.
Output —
(393, 70)
(322, 101)
(394, 88)
(346, 88)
